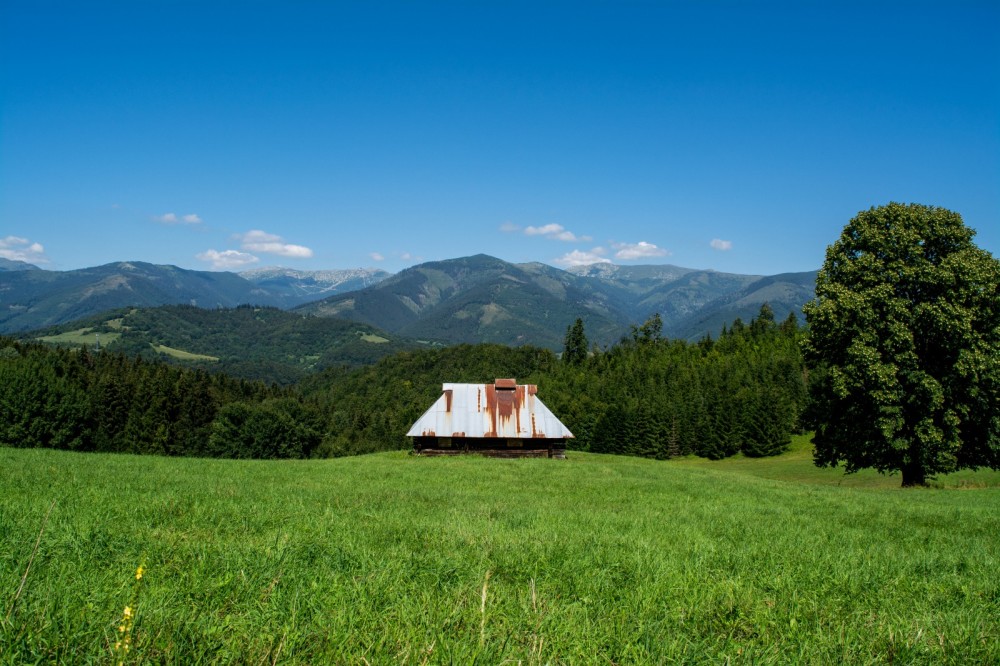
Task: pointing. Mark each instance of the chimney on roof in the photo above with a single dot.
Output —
(505, 384)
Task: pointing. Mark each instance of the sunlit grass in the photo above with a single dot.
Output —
(391, 559)
(181, 354)
(82, 336)
(797, 465)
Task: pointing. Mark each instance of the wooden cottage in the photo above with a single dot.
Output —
(500, 419)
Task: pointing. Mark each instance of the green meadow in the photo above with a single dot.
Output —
(181, 354)
(82, 336)
(394, 559)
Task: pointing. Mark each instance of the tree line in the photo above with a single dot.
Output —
(901, 372)
(653, 397)
(83, 400)
(644, 396)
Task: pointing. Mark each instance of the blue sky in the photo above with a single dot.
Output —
(737, 136)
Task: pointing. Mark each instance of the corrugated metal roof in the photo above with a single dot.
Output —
(501, 409)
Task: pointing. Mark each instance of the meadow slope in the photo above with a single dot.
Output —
(389, 558)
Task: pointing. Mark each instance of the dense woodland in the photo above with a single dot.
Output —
(286, 347)
(645, 396)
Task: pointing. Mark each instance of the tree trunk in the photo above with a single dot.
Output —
(913, 475)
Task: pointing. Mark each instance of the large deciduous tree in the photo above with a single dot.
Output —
(905, 327)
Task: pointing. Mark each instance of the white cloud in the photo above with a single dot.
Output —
(406, 256)
(555, 232)
(640, 250)
(227, 259)
(22, 249)
(376, 256)
(509, 227)
(581, 258)
(172, 218)
(261, 241)
(722, 245)
(543, 230)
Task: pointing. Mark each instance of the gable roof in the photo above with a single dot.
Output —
(501, 409)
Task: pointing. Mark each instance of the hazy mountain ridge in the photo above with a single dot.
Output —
(468, 299)
(476, 299)
(16, 265)
(32, 299)
(289, 287)
(249, 342)
(482, 298)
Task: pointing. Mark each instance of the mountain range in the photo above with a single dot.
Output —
(32, 298)
(482, 298)
(469, 299)
(249, 342)
(288, 287)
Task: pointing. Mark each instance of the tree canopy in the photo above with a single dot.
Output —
(575, 348)
(905, 329)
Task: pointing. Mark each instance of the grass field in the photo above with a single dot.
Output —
(389, 558)
(82, 336)
(182, 355)
(796, 465)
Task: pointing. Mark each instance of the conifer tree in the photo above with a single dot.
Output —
(575, 347)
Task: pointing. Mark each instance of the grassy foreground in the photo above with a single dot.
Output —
(797, 465)
(389, 559)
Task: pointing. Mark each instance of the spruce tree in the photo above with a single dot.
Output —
(575, 347)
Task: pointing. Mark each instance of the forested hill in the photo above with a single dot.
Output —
(246, 342)
(646, 396)
(482, 299)
(31, 298)
(485, 299)
(468, 299)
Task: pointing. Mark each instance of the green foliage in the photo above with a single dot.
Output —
(650, 331)
(395, 559)
(906, 323)
(575, 346)
(286, 347)
(644, 397)
(68, 399)
(273, 429)
(39, 405)
(370, 409)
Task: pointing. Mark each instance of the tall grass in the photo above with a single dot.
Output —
(389, 559)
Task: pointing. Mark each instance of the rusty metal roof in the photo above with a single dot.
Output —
(501, 409)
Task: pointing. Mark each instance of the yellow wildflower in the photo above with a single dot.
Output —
(138, 573)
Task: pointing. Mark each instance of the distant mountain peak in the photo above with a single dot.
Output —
(16, 265)
(465, 299)
(608, 271)
(293, 287)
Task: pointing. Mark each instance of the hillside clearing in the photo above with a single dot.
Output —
(797, 465)
(82, 336)
(182, 355)
(391, 558)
